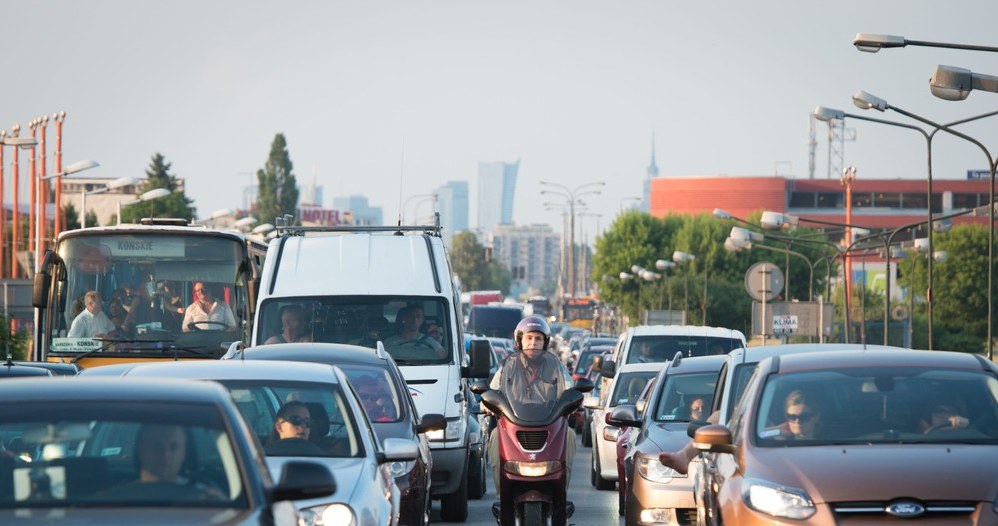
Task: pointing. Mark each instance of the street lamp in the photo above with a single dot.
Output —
(864, 100)
(571, 196)
(155, 193)
(873, 42)
(627, 200)
(113, 185)
(25, 143)
(683, 259)
(739, 240)
(73, 168)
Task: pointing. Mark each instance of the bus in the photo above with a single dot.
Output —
(146, 275)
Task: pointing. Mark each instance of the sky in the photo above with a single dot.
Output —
(391, 99)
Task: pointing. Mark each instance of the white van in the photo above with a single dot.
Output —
(361, 285)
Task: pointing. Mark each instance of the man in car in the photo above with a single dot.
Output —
(409, 343)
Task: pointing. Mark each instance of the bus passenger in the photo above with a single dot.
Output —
(92, 321)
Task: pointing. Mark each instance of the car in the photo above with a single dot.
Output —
(586, 427)
(74, 450)
(625, 388)
(654, 493)
(386, 399)
(859, 437)
(624, 438)
(586, 358)
(343, 438)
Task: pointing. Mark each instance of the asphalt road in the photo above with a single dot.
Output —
(592, 507)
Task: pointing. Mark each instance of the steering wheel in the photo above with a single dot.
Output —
(939, 427)
(196, 325)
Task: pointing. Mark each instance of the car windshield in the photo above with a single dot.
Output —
(376, 390)
(685, 397)
(882, 405)
(74, 454)
(586, 360)
(628, 387)
(298, 419)
(414, 330)
(662, 348)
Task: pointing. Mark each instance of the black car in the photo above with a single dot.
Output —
(385, 396)
(88, 450)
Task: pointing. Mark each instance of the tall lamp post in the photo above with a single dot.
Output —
(40, 226)
(684, 259)
(866, 101)
(113, 185)
(25, 143)
(571, 196)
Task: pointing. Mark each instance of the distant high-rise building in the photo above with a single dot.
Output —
(532, 254)
(360, 211)
(311, 194)
(652, 173)
(496, 192)
(452, 204)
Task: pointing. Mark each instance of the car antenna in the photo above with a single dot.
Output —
(401, 180)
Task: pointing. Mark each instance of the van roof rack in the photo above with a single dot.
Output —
(283, 228)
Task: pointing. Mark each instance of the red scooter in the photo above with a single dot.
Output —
(533, 481)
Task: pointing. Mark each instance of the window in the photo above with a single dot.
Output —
(887, 200)
(913, 200)
(802, 200)
(830, 199)
(862, 199)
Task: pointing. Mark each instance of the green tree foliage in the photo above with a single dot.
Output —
(467, 258)
(70, 217)
(16, 343)
(277, 187)
(174, 205)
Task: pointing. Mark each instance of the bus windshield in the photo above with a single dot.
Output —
(414, 330)
(148, 292)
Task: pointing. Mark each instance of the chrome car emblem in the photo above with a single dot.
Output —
(905, 509)
(533, 456)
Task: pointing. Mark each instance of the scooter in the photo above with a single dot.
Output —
(533, 481)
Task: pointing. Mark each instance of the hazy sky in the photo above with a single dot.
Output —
(572, 89)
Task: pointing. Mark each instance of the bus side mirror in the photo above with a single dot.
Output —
(40, 289)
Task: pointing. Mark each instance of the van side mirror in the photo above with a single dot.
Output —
(608, 369)
(480, 354)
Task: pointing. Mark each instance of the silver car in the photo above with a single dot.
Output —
(340, 434)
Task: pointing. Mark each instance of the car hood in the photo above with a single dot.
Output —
(664, 437)
(881, 472)
(145, 515)
(348, 473)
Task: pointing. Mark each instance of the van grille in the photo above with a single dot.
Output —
(532, 440)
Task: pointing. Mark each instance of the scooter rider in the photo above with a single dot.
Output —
(531, 376)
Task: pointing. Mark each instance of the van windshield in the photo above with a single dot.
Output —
(414, 330)
(662, 348)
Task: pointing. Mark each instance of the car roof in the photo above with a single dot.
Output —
(697, 364)
(761, 352)
(238, 370)
(691, 330)
(882, 358)
(641, 367)
(329, 353)
(44, 389)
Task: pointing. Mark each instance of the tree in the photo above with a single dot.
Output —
(70, 217)
(467, 259)
(174, 205)
(277, 187)
(16, 343)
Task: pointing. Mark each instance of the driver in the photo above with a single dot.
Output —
(409, 343)
(207, 309)
(532, 376)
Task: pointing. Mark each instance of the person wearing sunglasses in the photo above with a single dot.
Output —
(802, 418)
(292, 427)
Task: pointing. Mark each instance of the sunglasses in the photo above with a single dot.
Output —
(298, 421)
(804, 417)
(696, 409)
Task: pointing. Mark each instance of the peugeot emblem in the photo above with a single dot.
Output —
(905, 509)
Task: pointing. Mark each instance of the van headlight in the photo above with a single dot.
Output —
(328, 515)
(532, 469)
(778, 501)
(455, 431)
(652, 470)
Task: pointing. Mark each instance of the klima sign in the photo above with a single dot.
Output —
(784, 324)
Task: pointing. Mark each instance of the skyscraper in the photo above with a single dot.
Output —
(452, 204)
(496, 191)
(363, 214)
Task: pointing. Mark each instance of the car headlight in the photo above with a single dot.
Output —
(400, 467)
(328, 515)
(532, 469)
(778, 501)
(652, 470)
(455, 430)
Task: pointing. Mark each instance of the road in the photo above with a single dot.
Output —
(592, 507)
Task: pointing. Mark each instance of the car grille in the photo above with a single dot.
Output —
(884, 510)
(532, 440)
(686, 516)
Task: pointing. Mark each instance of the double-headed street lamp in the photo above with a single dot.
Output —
(113, 185)
(571, 196)
(24, 143)
(155, 193)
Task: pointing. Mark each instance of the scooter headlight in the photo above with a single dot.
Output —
(328, 515)
(532, 469)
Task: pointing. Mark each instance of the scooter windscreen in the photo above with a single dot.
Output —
(531, 413)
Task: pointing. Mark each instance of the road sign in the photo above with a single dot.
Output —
(784, 324)
(764, 280)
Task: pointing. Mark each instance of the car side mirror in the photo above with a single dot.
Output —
(431, 422)
(584, 385)
(303, 480)
(625, 415)
(608, 369)
(714, 438)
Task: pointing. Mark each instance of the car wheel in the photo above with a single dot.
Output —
(631, 511)
(587, 434)
(454, 507)
(476, 476)
(601, 483)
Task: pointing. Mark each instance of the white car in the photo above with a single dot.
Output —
(341, 435)
(625, 388)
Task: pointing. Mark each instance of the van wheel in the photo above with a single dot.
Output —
(454, 507)
(476, 476)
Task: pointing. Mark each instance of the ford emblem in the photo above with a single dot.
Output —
(905, 509)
